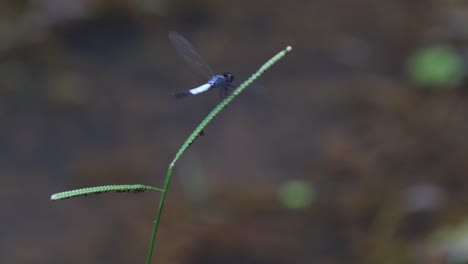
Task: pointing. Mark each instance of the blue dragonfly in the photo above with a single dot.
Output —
(191, 57)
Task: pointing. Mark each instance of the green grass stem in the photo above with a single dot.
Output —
(197, 132)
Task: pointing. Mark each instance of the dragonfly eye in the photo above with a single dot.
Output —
(229, 77)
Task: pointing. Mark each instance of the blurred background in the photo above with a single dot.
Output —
(353, 148)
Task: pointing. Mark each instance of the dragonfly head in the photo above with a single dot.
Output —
(228, 77)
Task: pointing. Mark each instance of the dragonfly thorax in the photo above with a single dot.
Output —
(221, 80)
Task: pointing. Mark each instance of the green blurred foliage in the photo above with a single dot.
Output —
(436, 66)
(296, 194)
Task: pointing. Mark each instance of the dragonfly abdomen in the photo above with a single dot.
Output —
(200, 89)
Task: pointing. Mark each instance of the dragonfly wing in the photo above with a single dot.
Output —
(188, 53)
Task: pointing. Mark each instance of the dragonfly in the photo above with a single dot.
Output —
(188, 53)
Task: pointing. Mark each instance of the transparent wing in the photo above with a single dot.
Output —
(188, 53)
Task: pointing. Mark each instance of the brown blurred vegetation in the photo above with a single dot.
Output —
(84, 101)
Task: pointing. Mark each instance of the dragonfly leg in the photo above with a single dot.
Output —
(224, 91)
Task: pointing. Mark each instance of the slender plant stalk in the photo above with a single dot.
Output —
(195, 134)
(126, 188)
